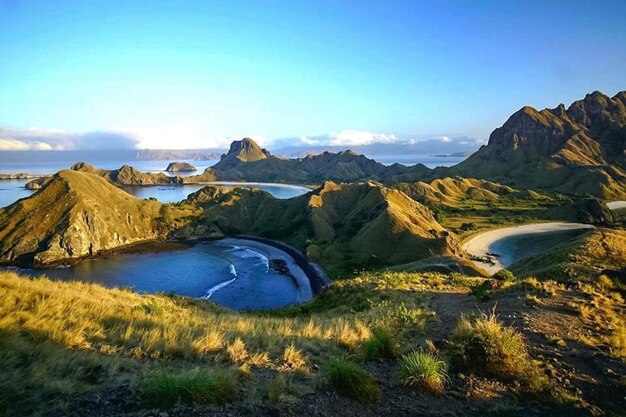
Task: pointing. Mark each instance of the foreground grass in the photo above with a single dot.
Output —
(62, 340)
(423, 370)
(351, 381)
(484, 345)
(196, 385)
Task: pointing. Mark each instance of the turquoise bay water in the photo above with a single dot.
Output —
(517, 247)
(235, 276)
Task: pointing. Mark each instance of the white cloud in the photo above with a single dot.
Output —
(445, 139)
(20, 145)
(359, 138)
(48, 140)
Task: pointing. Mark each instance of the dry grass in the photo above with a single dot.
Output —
(60, 339)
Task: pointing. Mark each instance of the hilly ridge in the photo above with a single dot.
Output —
(578, 150)
(76, 214)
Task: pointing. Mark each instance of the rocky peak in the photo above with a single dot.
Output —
(84, 167)
(245, 150)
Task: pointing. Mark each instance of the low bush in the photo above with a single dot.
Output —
(350, 380)
(420, 369)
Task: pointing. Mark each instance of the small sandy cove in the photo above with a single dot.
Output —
(479, 245)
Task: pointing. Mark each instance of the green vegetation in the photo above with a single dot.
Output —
(197, 386)
(483, 345)
(352, 381)
(382, 343)
(422, 369)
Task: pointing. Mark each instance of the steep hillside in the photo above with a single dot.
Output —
(76, 214)
(580, 150)
(341, 226)
(245, 150)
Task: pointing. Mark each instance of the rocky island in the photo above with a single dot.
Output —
(180, 167)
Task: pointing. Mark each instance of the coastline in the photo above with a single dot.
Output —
(479, 245)
(271, 252)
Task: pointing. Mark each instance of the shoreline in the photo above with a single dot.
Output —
(479, 245)
(297, 274)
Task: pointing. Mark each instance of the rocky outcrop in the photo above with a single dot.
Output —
(578, 150)
(245, 150)
(76, 214)
(180, 167)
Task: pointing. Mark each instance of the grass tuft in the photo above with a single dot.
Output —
(350, 380)
(484, 346)
(294, 360)
(194, 386)
(420, 369)
(381, 344)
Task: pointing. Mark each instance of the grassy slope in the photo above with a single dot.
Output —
(585, 256)
(76, 214)
(344, 227)
(63, 339)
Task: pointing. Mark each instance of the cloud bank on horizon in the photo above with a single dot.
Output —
(53, 140)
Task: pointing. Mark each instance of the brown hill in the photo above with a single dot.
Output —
(341, 226)
(580, 150)
(450, 191)
(76, 214)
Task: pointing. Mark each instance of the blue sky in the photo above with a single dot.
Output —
(197, 74)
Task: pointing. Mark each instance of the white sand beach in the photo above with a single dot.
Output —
(480, 244)
(615, 205)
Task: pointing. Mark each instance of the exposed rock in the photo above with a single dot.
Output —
(180, 167)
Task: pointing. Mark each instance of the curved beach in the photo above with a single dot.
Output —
(616, 205)
(482, 245)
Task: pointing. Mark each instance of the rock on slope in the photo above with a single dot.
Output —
(76, 214)
(579, 150)
(340, 226)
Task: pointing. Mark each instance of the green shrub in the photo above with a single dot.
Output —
(422, 369)
(381, 344)
(466, 227)
(352, 381)
(197, 386)
(504, 275)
